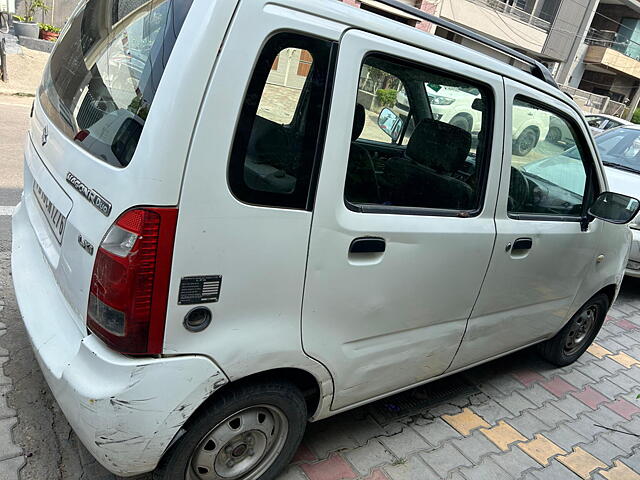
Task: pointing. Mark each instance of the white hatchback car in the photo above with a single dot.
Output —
(218, 243)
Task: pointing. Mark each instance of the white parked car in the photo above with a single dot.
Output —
(455, 105)
(601, 122)
(237, 255)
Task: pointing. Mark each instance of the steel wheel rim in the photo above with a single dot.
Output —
(528, 140)
(242, 446)
(580, 330)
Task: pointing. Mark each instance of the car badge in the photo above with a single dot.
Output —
(45, 135)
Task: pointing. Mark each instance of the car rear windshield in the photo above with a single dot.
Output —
(103, 75)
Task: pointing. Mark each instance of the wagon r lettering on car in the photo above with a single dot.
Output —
(92, 196)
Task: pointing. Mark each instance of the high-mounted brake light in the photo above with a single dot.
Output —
(130, 281)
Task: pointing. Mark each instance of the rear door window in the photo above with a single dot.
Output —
(104, 73)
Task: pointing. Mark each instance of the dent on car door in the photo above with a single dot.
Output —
(384, 305)
(542, 252)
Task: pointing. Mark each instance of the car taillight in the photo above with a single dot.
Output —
(130, 281)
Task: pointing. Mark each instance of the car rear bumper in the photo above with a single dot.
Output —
(633, 265)
(126, 411)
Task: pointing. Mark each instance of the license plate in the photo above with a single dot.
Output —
(55, 219)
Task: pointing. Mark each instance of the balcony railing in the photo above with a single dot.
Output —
(611, 39)
(515, 12)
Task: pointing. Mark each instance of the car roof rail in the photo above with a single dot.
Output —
(537, 68)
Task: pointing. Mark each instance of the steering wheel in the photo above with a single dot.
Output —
(518, 190)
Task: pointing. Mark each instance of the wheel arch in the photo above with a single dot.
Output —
(305, 381)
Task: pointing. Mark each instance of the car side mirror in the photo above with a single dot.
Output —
(390, 123)
(478, 105)
(615, 208)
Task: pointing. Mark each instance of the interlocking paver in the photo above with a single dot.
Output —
(445, 459)
(608, 388)
(623, 441)
(515, 461)
(539, 395)
(515, 403)
(465, 422)
(555, 471)
(609, 365)
(620, 471)
(405, 443)
(590, 397)
(486, 469)
(565, 437)
(610, 344)
(604, 416)
(527, 424)
(369, 456)
(10, 468)
(541, 449)
(527, 376)
(291, 473)
(581, 462)
(7, 447)
(550, 414)
(333, 468)
(598, 351)
(475, 446)
(571, 406)
(377, 474)
(576, 378)
(623, 408)
(491, 411)
(625, 360)
(326, 437)
(633, 372)
(436, 432)
(593, 371)
(304, 454)
(626, 325)
(603, 450)
(5, 411)
(505, 383)
(503, 435)
(625, 382)
(411, 469)
(558, 387)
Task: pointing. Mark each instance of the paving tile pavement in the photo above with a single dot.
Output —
(535, 422)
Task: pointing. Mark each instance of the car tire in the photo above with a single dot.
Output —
(462, 122)
(554, 136)
(248, 433)
(578, 334)
(525, 142)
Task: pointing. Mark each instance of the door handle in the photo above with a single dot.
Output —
(368, 245)
(522, 244)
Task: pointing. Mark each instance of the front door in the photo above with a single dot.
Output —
(542, 253)
(402, 230)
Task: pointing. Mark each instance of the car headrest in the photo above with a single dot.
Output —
(358, 122)
(439, 145)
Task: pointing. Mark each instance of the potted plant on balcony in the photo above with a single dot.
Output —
(49, 32)
(25, 26)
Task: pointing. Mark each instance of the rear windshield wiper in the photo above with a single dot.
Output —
(621, 167)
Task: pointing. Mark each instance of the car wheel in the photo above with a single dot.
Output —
(462, 122)
(525, 142)
(248, 433)
(554, 135)
(576, 336)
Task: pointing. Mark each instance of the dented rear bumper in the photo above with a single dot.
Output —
(125, 410)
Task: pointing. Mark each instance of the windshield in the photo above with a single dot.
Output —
(103, 75)
(620, 148)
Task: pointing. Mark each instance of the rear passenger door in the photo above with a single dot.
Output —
(542, 252)
(398, 248)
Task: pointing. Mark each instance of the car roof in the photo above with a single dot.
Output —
(610, 117)
(336, 11)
